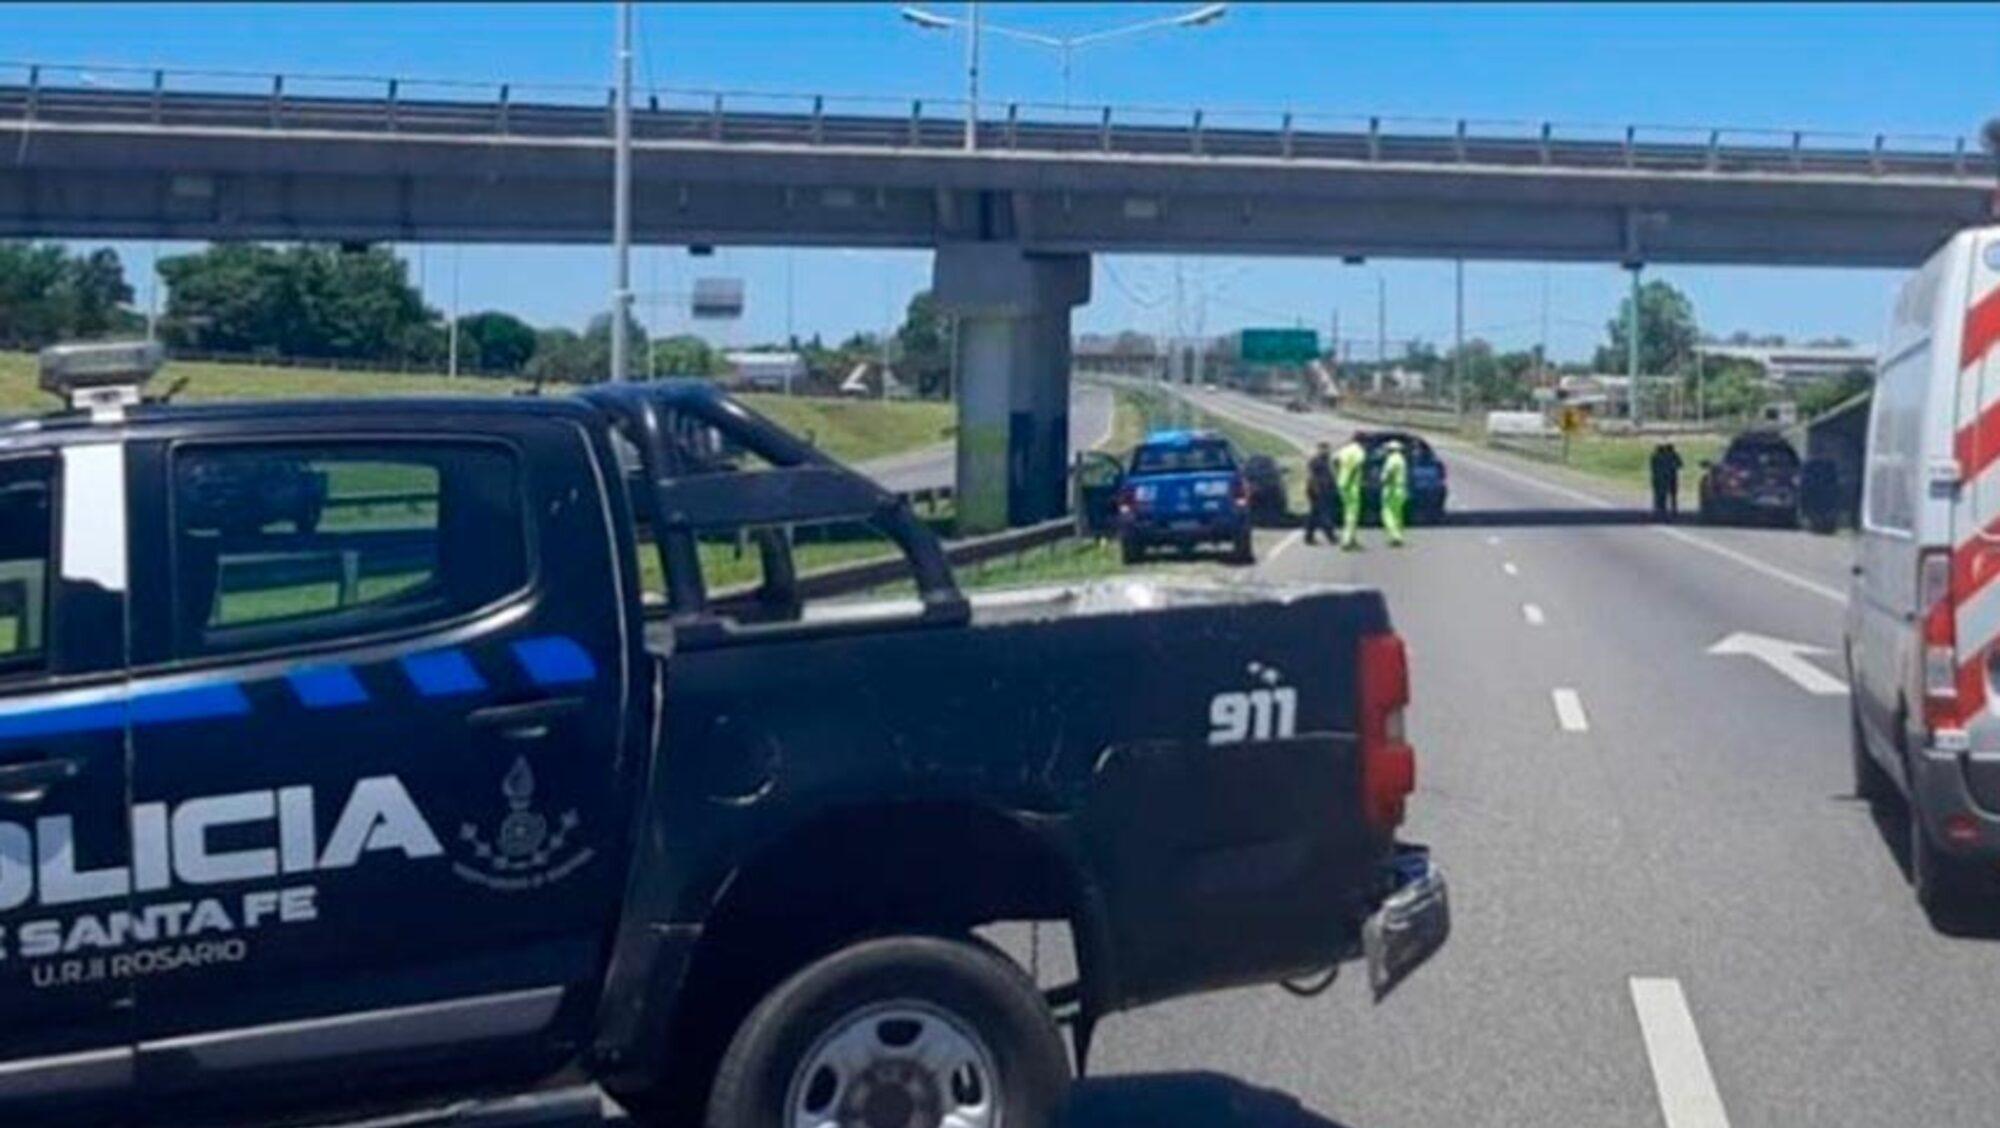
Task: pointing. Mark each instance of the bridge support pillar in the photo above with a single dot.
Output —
(1013, 359)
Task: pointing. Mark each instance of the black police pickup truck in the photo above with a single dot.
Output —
(349, 773)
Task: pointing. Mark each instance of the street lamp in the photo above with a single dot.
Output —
(1066, 46)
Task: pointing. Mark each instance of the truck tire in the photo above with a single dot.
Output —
(1951, 890)
(837, 1043)
(1129, 552)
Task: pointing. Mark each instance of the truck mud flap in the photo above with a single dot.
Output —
(1233, 864)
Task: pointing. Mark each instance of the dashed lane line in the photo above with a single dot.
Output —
(1532, 614)
(1569, 710)
(1688, 1097)
(1509, 568)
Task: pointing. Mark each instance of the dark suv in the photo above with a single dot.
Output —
(1756, 480)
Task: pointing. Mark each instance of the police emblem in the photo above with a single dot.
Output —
(526, 851)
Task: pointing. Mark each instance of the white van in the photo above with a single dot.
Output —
(1923, 616)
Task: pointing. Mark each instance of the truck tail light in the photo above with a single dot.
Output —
(1239, 492)
(1127, 500)
(1388, 763)
(1940, 639)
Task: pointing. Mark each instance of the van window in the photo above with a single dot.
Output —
(278, 543)
(1895, 440)
(26, 560)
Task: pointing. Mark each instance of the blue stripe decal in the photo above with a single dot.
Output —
(193, 703)
(554, 660)
(327, 687)
(98, 716)
(442, 673)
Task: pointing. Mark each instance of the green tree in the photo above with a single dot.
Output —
(495, 342)
(317, 301)
(685, 354)
(924, 344)
(1821, 395)
(1667, 332)
(560, 355)
(48, 296)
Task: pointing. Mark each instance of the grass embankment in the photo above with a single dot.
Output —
(851, 430)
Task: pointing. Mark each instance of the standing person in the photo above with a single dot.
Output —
(1395, 492)
(1347, 464)
(1666, 467)
(1319, 493)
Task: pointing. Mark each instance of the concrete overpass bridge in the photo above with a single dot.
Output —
(107, 153)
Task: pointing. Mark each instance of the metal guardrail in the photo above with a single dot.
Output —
(55, 94)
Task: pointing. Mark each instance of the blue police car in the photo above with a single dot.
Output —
(1184, 488)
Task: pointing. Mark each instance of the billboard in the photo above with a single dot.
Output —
(716, 298)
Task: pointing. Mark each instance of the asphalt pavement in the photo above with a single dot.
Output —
(1090, 419)
(1668, 907)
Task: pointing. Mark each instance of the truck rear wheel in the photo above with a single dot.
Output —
(1243, 550)
(1129, 551)
(909, 1030)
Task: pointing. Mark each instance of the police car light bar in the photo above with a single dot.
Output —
(101, 378)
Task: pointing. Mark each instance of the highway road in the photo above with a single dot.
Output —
(932, 466)
(1669, 909)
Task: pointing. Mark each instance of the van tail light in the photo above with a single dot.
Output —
(1388, 763)
(1940, 639)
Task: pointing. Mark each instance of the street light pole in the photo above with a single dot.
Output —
(972, 80)
(1458, 337)
(451, 338)
(1632, 349)
(621, 203)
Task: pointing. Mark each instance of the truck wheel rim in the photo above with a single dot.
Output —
(901, 1064)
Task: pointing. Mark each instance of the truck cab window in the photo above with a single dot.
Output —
(276, 543)
(26, 550)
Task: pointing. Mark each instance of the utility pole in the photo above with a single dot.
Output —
(972, 79)
(1381, 322)
(1458, 336)
(1542, 354)
(1700, 390)
(451, 335)
(1632, 349)
(621, 204)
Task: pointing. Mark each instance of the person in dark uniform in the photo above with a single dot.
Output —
(1666, 466)
(1319, 493)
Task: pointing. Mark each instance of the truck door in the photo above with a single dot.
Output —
(396, 820)
(65, 858)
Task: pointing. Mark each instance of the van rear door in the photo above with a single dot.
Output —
(1975, 523)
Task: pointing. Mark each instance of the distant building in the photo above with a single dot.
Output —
(767, 371)
(1797, 364)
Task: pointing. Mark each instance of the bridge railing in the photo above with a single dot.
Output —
(58, 93)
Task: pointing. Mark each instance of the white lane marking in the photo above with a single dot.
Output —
(1787, 658)
(1755, 565)
(1532, 614)
(1290, 539)
(1569, 710)
(1730, 554)
(1688, 1098)
(1509, 568)
(1492, 540)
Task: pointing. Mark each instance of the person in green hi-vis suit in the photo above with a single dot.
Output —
(1395, 492)
(1347, 464)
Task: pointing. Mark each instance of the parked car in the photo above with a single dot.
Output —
(1923, 618)
(1298, 405)
(1266, 480)
(470, 817)
(1756, 479)
(1184, 489)
(1429, 485)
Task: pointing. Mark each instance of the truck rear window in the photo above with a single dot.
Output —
(1182, 458)
(275, 543)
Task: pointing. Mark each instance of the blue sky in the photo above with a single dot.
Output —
(1911, 69)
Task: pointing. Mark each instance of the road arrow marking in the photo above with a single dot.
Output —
(1787, 658)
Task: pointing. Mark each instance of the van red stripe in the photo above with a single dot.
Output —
(1982, 329)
